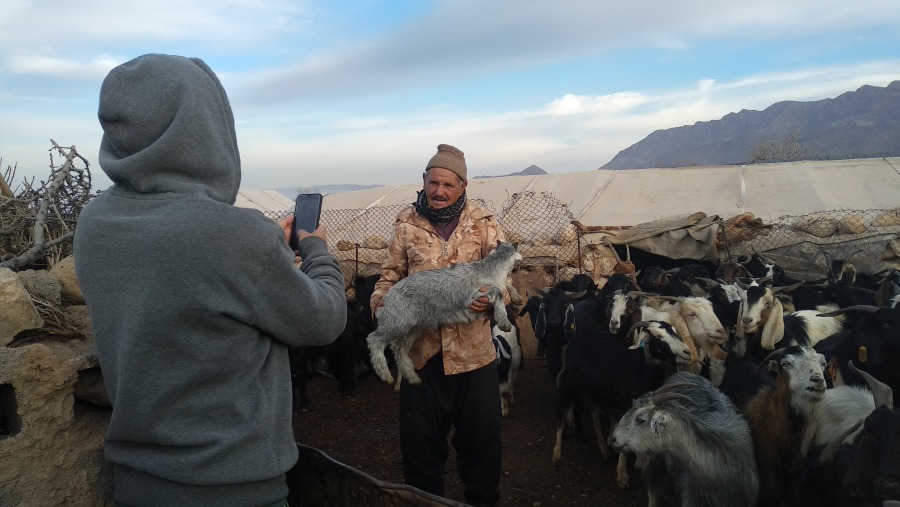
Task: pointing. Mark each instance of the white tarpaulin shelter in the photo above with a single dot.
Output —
(634, 196)
(263, 200)
(674, 212)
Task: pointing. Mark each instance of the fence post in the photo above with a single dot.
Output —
(580, 264)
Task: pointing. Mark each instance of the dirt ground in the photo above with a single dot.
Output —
(362, 432)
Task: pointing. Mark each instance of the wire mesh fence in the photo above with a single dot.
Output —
(542, 227)
(806, 245)
(539, 223)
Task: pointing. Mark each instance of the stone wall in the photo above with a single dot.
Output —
(53, 408)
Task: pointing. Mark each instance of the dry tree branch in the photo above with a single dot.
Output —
(65, 194)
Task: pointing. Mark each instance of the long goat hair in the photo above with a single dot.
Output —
(430, 299)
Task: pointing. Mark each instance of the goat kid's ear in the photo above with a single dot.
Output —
(658, 423)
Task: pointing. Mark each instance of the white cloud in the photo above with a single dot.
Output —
(92, 67)
(604, 104)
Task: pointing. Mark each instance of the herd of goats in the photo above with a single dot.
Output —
(735, 386)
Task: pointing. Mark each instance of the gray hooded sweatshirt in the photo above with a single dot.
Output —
(194, 302)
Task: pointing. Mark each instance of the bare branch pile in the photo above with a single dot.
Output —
(37, 222)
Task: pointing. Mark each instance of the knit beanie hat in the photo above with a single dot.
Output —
(449, 157)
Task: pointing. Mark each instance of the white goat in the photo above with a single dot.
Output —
(430, 299)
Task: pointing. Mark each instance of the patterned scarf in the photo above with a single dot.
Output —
(443, 215)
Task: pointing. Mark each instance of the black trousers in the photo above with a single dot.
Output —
(468, 403)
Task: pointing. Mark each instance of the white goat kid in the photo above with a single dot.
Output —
(430, 299)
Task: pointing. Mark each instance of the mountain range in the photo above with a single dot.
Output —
(859, 124)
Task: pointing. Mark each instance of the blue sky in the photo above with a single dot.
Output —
(363, 91)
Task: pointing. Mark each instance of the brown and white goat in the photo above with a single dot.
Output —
(781, 417)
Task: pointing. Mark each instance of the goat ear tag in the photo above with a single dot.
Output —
(863, 354)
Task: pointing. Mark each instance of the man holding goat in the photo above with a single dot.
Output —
(459, 387)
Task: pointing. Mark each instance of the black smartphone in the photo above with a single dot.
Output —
(307, 209)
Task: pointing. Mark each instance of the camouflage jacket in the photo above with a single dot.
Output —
(416, 247)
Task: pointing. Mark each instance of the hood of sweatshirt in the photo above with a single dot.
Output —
(168, 128)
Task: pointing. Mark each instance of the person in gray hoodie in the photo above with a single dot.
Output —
(194, 302)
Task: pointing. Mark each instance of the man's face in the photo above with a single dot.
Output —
(442, 187)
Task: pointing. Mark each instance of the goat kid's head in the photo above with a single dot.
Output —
(509, 250)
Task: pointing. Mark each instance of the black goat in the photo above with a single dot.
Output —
(556, 303)
(760, 267)
(608, 372)
(655, 279)
(343, 358)
(873, 344)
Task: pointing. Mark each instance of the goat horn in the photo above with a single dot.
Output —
(576, 295)
(842, 311)
(786, 288)
(643, 323)
(881, 392)
(672, 385)
(659, 399)
(615, 253)
(741, 284)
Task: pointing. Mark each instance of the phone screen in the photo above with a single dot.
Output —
(307, 209)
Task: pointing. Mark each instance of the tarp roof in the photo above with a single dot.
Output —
(263, 200)
(635, 196)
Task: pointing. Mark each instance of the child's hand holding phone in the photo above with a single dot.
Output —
(307, 211)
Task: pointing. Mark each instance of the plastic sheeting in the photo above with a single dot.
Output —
(636, 196)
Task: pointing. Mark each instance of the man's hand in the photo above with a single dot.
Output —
(482, 304)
